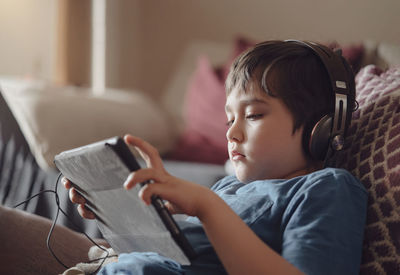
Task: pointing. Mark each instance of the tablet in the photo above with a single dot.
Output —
(98, 172)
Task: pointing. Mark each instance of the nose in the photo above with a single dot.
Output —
(235, 133)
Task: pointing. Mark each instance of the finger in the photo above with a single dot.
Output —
(67, 184)
(85, 213)
(156, 189)
(129, 182)
(147, 192)
(75, 197)
(141, 145)
(147, 151)
(142, 194)
(143, 175)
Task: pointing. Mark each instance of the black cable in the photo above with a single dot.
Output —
(54, 221)
(87, 236)
(36, 195)
(59, 209)
(53, 226)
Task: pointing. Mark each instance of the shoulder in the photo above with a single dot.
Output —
(332, 178)
(331, 188)
(327, 209)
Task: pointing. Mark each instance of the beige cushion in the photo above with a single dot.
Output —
(384, 55)
(390, 53)
(54, 119)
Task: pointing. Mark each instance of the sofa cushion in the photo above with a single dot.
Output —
(374, 157)
(203, 139)
(54, 119)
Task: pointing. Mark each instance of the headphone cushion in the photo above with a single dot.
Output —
(320, 138)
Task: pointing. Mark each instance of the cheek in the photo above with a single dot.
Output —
(269, 139)
(276, 143)
(292, 148)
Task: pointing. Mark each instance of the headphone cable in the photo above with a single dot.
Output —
(49, 236)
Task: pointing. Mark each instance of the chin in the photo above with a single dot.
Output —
(244, 174)
(243, 178)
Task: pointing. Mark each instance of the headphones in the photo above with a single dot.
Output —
(328, 134)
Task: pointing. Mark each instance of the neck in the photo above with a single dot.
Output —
(309, 168)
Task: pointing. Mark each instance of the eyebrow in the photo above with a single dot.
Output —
(248, 102)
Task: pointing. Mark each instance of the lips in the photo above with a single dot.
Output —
(235, 155)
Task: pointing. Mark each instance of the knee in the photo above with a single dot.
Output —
(4, 211)
(6, 217)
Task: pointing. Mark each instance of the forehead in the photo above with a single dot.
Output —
(252, 95)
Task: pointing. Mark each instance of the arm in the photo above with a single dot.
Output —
(240, 250)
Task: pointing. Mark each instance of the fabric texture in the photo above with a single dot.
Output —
(315, 221)
(98, 257)
(136, 263)
(374, 157)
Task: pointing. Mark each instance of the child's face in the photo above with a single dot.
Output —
(261, 142)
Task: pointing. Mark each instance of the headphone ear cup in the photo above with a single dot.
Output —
(320, 138)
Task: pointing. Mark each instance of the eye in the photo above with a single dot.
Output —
(229, 123)
(254, 116)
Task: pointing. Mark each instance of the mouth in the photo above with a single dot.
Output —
(235, 156)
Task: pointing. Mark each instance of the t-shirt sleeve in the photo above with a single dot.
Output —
(323, 226)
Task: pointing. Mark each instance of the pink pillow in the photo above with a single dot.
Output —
(354, 54)
(204, 111)
(374, 157)
(204, 108)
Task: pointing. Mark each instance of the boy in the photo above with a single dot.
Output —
(281, 213)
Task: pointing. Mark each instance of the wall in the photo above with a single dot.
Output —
(124, 44)
(27, 29)
(73, 38)
(146, 37)
(168, 26)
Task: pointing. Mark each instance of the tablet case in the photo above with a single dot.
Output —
(98, 172)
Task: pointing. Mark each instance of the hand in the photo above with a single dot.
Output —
(182, 196)
(76, 198)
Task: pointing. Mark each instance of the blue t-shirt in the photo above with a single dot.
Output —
(315, 222)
